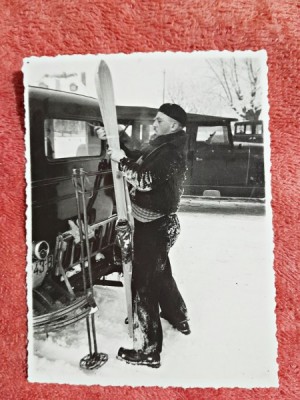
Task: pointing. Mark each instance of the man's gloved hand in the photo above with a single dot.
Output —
(100, 132)
(116, 155)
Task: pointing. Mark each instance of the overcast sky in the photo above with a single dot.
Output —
(140, 78)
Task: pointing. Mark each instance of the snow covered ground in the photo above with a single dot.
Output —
(223, 267)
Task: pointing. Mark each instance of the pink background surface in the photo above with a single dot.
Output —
(80, 27)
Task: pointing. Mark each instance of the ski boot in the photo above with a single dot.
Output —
(182, 326)
(138, 357)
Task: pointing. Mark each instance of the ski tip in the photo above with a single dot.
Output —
(103, 73)
(103, 66)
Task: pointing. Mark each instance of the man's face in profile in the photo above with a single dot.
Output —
(163, 125)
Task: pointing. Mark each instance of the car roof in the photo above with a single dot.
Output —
(81, 105)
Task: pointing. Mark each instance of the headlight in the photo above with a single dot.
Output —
(41, 250)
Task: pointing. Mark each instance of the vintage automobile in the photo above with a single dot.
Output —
(221, 163)
(71, 185)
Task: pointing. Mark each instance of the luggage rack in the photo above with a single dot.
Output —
(80, 304)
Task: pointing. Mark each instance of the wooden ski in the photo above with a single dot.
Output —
(105, 92)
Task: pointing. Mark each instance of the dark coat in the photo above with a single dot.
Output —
(157, 172)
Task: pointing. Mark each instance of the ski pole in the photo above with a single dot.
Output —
(75, 182)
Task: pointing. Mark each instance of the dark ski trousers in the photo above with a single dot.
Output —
(153, 285)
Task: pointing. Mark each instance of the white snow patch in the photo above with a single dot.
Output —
(223, 267)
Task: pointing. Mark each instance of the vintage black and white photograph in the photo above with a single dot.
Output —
(149, 222)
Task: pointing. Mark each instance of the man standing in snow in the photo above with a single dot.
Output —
(156, 174)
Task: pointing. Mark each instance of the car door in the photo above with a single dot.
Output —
(217, 165)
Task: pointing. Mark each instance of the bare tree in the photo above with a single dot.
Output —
(240, 85)
(176, 93)
(226, 86)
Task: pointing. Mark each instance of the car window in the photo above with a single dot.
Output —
(70, 138)
(212, 134)
(250, 129)
(259, 129)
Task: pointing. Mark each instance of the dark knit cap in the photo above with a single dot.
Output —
(174, 111)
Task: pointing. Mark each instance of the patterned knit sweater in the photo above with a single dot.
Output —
(157, 172)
